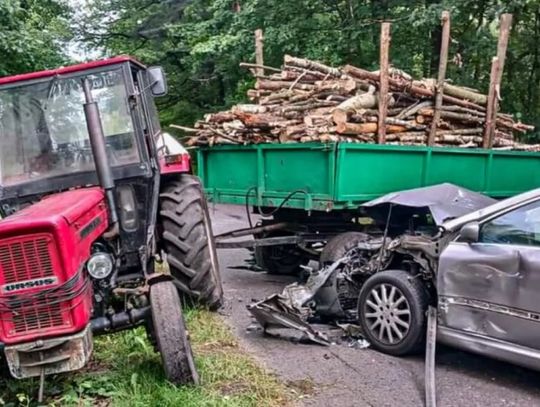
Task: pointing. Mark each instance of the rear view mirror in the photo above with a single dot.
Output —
(158, 81)
(470, 232)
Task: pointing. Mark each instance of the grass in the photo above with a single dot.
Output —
(125, 371)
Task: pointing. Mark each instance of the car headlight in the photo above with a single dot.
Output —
(100, 265)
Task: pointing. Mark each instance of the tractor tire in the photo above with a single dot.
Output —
(392, 312)
(188, 241)
(171, 335)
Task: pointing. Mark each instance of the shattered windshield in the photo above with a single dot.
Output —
(43, 128)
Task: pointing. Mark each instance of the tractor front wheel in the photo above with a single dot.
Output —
(188, 241)
(169, 330)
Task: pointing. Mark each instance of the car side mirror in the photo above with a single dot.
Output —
(470, 232)
(158, 81)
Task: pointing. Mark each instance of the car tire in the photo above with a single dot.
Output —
(392, 312)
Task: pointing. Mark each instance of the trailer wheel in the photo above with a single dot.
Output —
(342, 290)
(392, 312)
(170, 333)
(279, 259)
(188, 241)
(339, 245)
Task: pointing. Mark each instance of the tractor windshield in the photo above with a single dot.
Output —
(43, 128)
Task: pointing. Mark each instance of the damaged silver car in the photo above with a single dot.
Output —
(477, 260)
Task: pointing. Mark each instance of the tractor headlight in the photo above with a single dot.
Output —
(100, 265)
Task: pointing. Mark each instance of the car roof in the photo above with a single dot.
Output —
(515, 201)
(70, 69)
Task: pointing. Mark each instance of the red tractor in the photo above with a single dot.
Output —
(91, 197)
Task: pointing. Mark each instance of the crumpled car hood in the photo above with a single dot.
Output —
(445, 201)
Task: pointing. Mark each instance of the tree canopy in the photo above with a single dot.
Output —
(33, 34)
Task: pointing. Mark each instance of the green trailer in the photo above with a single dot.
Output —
(318, 187)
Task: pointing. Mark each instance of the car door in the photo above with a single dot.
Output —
(492, 287)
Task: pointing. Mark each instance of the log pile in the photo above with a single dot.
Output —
(307, 101)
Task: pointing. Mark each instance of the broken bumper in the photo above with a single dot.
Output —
(50, 356)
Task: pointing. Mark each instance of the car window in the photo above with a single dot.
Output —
(520, 226)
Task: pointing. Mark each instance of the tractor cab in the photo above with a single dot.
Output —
(91, 197)
(45, 143)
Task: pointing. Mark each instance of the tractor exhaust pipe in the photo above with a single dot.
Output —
(101, 159)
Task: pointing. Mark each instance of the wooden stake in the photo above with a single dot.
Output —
(489, 128)
(504, 33)
(497, 69)
(259, 51)
(445, 20)
(383, 89)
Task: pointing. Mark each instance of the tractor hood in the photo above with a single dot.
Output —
(69, 207)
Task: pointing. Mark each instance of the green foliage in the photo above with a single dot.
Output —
(201, 44)
(33, 34)
(125, 371)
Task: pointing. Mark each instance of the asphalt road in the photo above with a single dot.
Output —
(342, 376)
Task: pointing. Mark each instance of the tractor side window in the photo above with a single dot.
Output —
(518, 227)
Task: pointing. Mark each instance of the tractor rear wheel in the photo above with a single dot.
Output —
(169, 330)
(188, 241)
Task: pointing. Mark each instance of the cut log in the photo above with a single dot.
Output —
(287, 113)
(477, 130)
(408, 87)
(256, 66)
(280, 85)
(408, 137)
(365, 101)
(464, 93)
(312, 66)
(412, 110)
(453, 90)
(362, 128)
(272, 98)
(310, 105)
(294, 75)
(220, 117)
(346, 85)
(249, 109)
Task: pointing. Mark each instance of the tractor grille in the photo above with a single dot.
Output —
(36, 318)
(26, 258)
